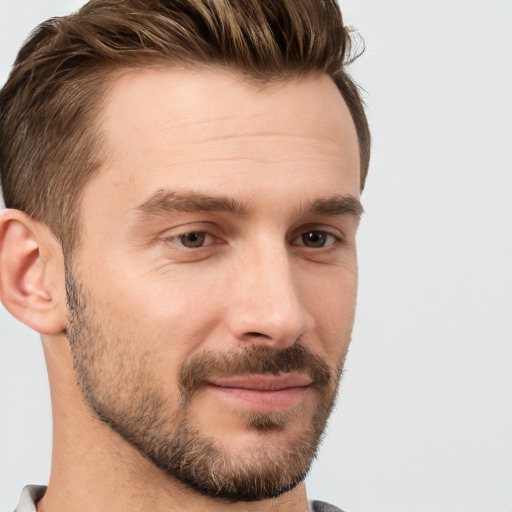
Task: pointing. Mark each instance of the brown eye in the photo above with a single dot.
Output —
(192, 240)
(315, 239)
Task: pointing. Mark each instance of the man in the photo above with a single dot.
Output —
(182, 183)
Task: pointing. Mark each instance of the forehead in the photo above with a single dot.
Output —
(181, 128)
(213, 94)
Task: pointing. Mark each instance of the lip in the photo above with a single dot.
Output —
(263, 382)
(262, 392)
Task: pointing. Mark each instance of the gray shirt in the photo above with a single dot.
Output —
(33, 493)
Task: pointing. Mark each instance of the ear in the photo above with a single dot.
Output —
(32, 284)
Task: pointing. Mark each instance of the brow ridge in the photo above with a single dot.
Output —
(335, 205)
(167, 201)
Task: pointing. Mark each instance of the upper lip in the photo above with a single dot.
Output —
(263, 382)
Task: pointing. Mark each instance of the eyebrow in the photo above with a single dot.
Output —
(336, 205)
(166, 201)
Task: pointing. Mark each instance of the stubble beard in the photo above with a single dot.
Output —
(136, 408)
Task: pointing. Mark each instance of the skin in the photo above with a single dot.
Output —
(271, 150)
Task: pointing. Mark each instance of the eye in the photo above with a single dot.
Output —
(315, 239)
(193, 240)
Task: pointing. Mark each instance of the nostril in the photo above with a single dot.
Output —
(258, 334)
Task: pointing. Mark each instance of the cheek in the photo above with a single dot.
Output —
(330, 289)
(153, 295)
(333, 307)
(168, 319)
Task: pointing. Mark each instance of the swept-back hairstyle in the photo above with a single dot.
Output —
(49, 139)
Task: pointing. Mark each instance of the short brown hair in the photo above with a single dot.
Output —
(49, 145)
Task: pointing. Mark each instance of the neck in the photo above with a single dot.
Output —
(95, 468)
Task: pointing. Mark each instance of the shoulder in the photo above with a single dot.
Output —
(320, 506)
(33, 493)
(30, 495)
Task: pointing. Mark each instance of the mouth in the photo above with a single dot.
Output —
(264, 393)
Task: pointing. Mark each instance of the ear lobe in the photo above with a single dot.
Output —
(26, 253)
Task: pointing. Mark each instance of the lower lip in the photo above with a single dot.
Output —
(274, 400)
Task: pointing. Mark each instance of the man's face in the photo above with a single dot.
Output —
(214, 288)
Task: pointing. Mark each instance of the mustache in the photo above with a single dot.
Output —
(251, 360)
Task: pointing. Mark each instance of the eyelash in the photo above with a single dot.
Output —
(205, 235)
(329, 239)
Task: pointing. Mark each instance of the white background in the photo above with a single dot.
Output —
(424, 422)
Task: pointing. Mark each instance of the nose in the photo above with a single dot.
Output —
(267, 306)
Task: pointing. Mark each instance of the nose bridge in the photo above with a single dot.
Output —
(267, 301)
